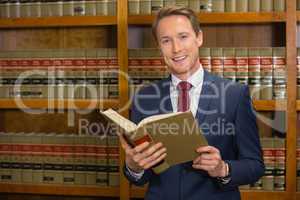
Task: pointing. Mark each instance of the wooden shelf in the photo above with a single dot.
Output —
(269, 105)
(297, 195)
(60, 190)
(57, 104)
(298, 105)
(58, 21)
(298, 16)
(137, 192)
(222, 18)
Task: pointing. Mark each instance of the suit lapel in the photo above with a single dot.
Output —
(165, 105)
(204, 101)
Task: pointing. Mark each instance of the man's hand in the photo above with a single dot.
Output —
(210, 160)
(143, 156)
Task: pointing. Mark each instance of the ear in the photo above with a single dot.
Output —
(199, 39)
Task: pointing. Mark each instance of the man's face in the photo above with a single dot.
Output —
(179, 45)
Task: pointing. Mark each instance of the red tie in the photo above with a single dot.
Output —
(183, 97)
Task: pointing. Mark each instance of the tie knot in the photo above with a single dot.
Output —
(184, 86)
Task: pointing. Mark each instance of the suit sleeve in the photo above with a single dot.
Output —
(249, 166)
(136, 116)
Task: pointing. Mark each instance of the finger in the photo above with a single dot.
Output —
(141, 147)
(154, 162)
(153, 157)
(207, 168)
(148, 152)
(207, 149)
(208, 162)
(210, 156)
(124, 144)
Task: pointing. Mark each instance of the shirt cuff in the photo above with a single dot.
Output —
(135, 175)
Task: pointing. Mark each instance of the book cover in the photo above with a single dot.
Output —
(175, 130)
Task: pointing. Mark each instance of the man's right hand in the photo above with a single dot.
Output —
(143, 156)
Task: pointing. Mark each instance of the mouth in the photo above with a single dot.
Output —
(179, 58)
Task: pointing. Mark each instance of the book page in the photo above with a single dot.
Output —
(157, 117)
(119, 120)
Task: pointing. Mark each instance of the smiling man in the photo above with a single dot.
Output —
(233, 156)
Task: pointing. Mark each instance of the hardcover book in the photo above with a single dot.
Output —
(175, 130)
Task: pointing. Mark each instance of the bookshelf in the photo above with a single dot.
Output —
(221, 18)
(58, 104)
(122, 21)
(262, 195)
(60, 190)
(58, 21)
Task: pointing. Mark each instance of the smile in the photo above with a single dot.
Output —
(178, 59)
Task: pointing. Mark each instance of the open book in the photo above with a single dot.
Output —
(179, 132)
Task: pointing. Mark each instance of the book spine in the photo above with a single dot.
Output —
(229, 64)
(298, 4)
(279, 179)
(134, 7)
(68, 8)
(102, 161)
(145, 7)
(79, 7)
(182, 3)
(194, 5)
(90, 8)
(5, 157)
(254, 73)
(269, 160)
(112, 7)
(279, 73)
(266, 73)
(102, 7)
(242, 5)
(206, 5)
(279, 5)
(242, 65)
(205, 58)
(217, 61)
(218, 6)
(230, 5)
(156, 5)
(266, 5)
(91, 159)
(113, 160)
(79, 160)
(254, 5)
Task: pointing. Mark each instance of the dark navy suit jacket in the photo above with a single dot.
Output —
(226, 118)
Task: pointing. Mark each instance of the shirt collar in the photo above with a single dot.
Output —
(194, 79)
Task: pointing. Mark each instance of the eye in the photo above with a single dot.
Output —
(165, 41)
(183, 36)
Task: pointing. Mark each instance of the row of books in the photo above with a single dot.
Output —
(50, 158)
(263, 69)
(274, 154)
(93, 73)
(50, 8)
(63, 74)
(137, 7)
(40, 158)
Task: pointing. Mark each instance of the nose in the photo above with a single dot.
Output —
(176, 46)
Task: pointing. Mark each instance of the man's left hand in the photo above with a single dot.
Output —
(209, 159)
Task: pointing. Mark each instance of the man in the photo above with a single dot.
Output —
(233, 156)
